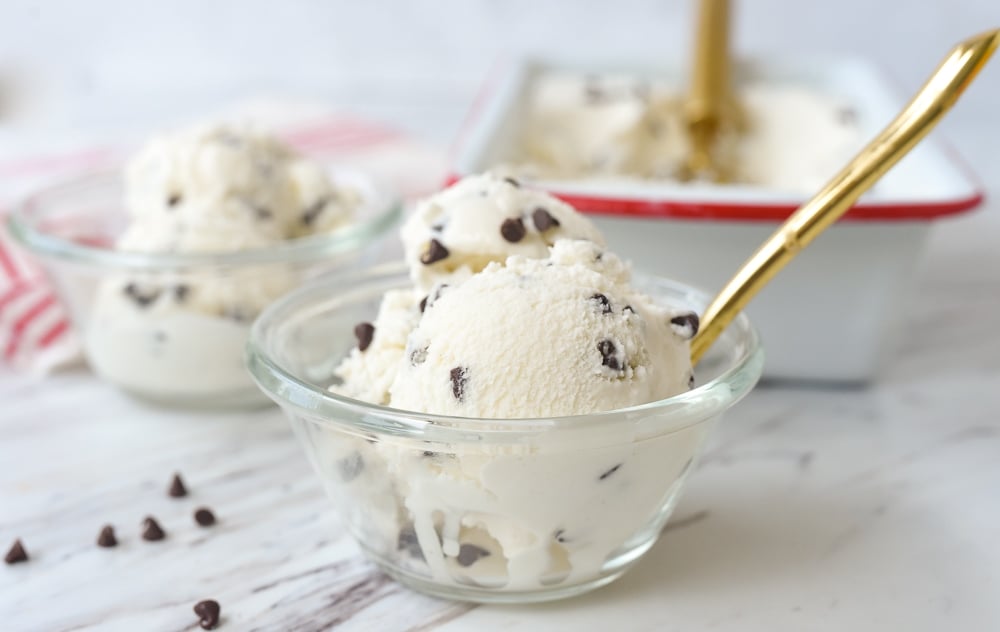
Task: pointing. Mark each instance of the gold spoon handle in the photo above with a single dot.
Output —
(936, 97)
(709, 83)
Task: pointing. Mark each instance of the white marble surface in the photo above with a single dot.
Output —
(870, 509)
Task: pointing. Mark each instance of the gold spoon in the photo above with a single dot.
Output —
(934, 99)
(706, 109)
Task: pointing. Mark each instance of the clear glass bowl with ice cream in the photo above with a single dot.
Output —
(164, 267)
(509, 416)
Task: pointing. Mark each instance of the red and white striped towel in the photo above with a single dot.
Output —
(35, 332)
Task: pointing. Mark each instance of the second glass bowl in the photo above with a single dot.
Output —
(172, 327)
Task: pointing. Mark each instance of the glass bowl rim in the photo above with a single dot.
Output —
(386, 204)
(324, 406)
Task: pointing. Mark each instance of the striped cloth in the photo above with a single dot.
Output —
(35, 331)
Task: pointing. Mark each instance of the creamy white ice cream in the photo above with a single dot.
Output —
(544, 325)
(206, 190)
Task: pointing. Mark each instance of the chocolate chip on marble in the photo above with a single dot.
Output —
(177, 488)
(685, 325)
(543, 220)
(512, 182)
(151, 530)
(174, 199)
(181, 292)
(609, 355)
(204, 517)
(609, 472)
(106, 538)
(407, 541)
(350, 467)
(310, 215)
(418, 356)
(208, 612)
(512, 230)
(143, 297)
(469, 554)
(435, 252)
(16, 554)
(364, 332)
(602, 302)
(459, 380)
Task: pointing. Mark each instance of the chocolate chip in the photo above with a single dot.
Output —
(237, 313)
(512, 230)
(407, 541)
(423, 304)
(364, 332)
(310, 214)
(459, 379)
(151, 531)
(174, 199)
(435, 252)
(691, 381)
(262, 213)
(609, 472)
(106, 538)
(181, 292)
(430, 453)
(437, 228)
(560, 536)
(469, 554)
(430, 299)
(685, 325)
(208, 613)
(350, 467)
(142, 297)
(512, 182)
(16, 554)
(418, 356)
(177, 488)
(543, 220)
(602, 302)
(628, 308)
(609, 355)
(204, 517)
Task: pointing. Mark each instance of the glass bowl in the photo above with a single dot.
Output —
(172, 327)
(490, 510)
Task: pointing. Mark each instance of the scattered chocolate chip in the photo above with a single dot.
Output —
(16, 554)
(174, 199)
(204, 517)
(423, 304)
(208, 613)
(177, 488)
(437, 228)
(418, 356)
(609, 472)
(430, 453)
(469, 554)
(310, 214)
(106, 538)
(350, 467)
(847, 116)
(609, 355)
(142, 297)
(543, 220)
(691, 381)
(435, 252)
(685, 325)
(512, 182)
(407, 541)
(364, 332)
(602, 302)
(459, 379)
(512, 230)
(628, 308)
(560, 536)
(181, 292)
(151, 530)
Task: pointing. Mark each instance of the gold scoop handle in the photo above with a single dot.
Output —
(934, 99)
(706, 102)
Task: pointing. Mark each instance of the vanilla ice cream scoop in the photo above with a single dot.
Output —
(565, 335)
(481, 219)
